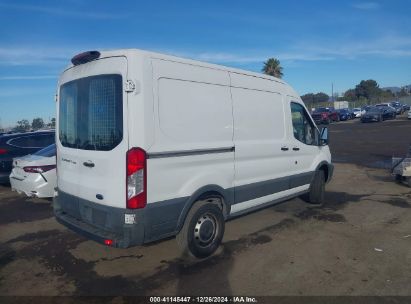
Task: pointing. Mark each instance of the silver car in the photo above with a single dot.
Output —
(35, 174)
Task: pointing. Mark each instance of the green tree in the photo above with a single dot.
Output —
(37, 123)
(53, 123)
(272, 67)
(368, 89)
(350, 95)
(22, 125)
(402, 93)
(321, 97)
(308, 98)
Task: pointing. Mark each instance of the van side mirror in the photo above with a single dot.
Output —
(324, 136)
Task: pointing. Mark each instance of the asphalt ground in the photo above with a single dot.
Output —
(370, 144)
(359, 243)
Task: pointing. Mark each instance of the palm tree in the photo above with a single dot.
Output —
(272, 67)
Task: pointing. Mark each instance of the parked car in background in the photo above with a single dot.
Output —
(325, 115)
(20, 144)
(409, 114)
(344, 114)
(398, 107)
(386, 104)
(388, 113)
(379, 113)
(352, 113)
(388, 110)
(365, 109)
(372, 115)
(406, 107)
(358, 112)
(35, 174)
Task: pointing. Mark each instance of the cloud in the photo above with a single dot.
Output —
(390, 46)
(248, 57)
(30, 77)
(366, 5)
(90, 14)
(29, 56)
(302, 51)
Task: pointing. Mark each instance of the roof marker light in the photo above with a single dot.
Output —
(85, 57)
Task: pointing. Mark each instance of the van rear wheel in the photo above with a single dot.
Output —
(202, 231)
(317, 189)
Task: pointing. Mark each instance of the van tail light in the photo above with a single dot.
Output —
(3, 151)
(38, 169)
(108, 242)
(136, 178)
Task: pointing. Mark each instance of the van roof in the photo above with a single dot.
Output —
(150, 54)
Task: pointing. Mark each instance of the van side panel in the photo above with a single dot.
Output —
(261, 166)
(195, 114)
(193, 144)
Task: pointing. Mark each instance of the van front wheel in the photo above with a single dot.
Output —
(317, 189)
(202, 231)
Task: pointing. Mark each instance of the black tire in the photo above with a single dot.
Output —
(398, 178)
(316, 194)
(203, 229)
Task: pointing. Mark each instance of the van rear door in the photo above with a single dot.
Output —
(92, 138)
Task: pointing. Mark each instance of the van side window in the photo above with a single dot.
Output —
(303, 128)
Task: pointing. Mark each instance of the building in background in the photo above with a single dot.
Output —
(341, 104)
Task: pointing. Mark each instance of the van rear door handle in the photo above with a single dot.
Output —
(284, 148)
(296, 149)
(89, 164)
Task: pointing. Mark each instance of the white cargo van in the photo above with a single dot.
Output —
(151, 146)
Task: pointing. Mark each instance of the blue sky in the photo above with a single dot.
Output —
(318, 42)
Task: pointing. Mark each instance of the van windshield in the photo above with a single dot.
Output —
(91, 113)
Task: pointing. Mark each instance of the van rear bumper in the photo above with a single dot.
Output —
(99, 222)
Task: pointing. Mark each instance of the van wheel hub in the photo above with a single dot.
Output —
(205, 230)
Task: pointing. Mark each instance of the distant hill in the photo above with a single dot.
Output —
(397, 89)
(392, 89)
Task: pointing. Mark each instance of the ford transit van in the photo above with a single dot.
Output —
(151, 146)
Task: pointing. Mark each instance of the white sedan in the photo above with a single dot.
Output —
(358, 112)
(35, 174)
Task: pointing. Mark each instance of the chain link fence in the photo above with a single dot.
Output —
(359, 103)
